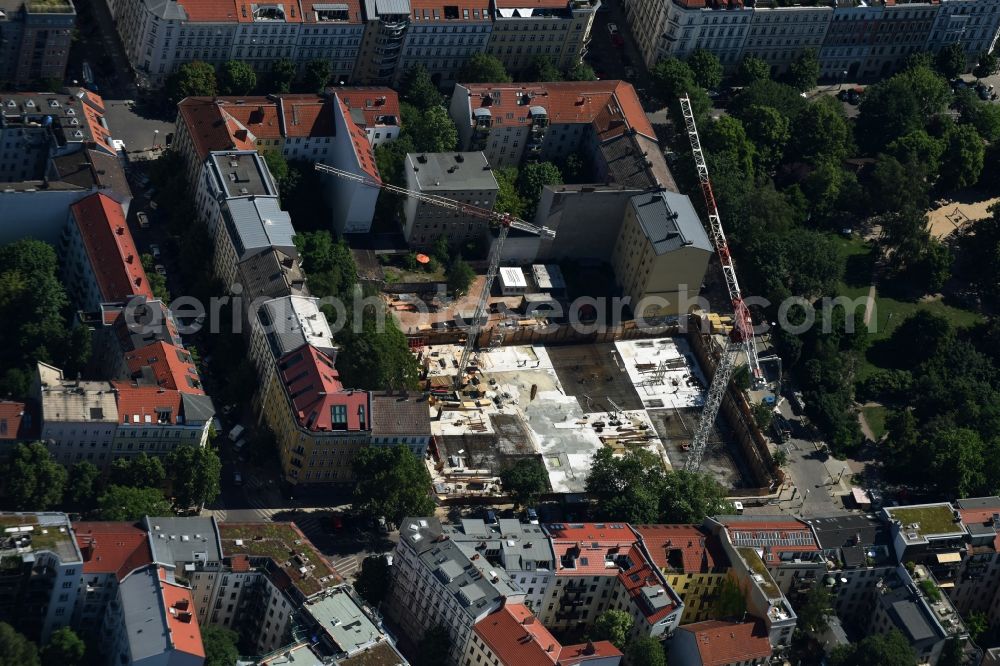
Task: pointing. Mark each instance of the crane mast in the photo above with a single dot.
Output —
(505, 221)
(741, 337)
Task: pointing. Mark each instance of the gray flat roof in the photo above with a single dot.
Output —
(144, 614)
(295, 321)
(344, 621)
(841, 531)
(258, 223)
(452, 171)
(670, 222)
(241, 173)
(400, 415)
(177, 540)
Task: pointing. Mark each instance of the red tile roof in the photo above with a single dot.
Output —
(687, 548)
(239, 563)
(584, 652)
(375, 101)
(110, 249)
(214, 11)
(362, 147)
(93, 111)
(306, 116)
(11, 417)
(172, 367)
(722, 643)
(314, 387)
(612, 107)
(181, 619)
(150, 405)
(643, 574)
(516, 636)
(112, 548)
(211, 127)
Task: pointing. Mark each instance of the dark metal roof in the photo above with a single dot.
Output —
(670, 222)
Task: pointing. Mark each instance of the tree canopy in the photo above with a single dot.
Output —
(81, 486)
(192, 79)
(374, 579)
(193, 472)
(483, 68)
(316, 75)
(460, 276)
(430, 130)
(418, 90)
(122, 503)
(613, 625)
(951, 60)
(525, 481)
(391, 482)
(64, 648)
(140, 471)
(804, 71)
(889, 649)
(15, 648)
(283, 73)
(236, 78)
(35, 481)
(541, 68)
(433, 648)
(645, 651)
(220, 645)
(751, 70)
(706, 68)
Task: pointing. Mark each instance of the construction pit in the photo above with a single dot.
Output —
(562, 404)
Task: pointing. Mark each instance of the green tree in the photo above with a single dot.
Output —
(706, 68)
(157, 283)
(81, 486)
(508, 198)
(35, 481)
(690, 497)
(613, 625)
(963, 159)
(64, 648)
(645, 651)
(220, 645)
(282, 74)
(951, 61)
(919, 147)
(15, 648)
(391, 482)
(804, 72)
(374, 579)
(192, 79)
(801, 263)
(236, 78)
(122, 503)
(276, 164)
(460, 277)
(316, 75)
(919, 59)
(987, 65)
(433, 648)
(900, 105)
(541, 68)
(730, 604)
(628, 487)
(894, 186)
(751, 70)
(581, 72)
(672, 78)
(483, 68)
(889, 649)
(815, 610)
(431, 130)
(417, 88)
(782, 98)
(725, 139)
(377, 356)
(531, 178)
(441, 250)
(769, 131)
(525, 481)
(986, 119)
(329, 264)
(141, 471)
(820, 132)
(978, 624)
(763, 414)
(194, 473)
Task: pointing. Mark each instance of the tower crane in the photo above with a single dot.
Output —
(741, 337)
(505, 221)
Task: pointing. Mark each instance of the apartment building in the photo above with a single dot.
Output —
(678, 27)
(661, 255)
(902, 606)
(599, 567)
(558, 30)
(159, 37)
(55, 149)
(152, 622)
(101, 263)
(693, 562)
(34, 40)
(512, 122)
(850, 39)
(283, 325)
(512, 635)
(17, 425)
(40, 572)
(778, 34)
(904, 29)
(466, 177)
(110, 552)
(226, 175)
(974, 24)
(353, 204)
(721, 643)
(373, 108)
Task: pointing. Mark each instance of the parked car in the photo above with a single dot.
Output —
(154, 249)
(531, 515)
(161, 269)
(616, 36)
(237, 479)
(143, 220)
(235, 433)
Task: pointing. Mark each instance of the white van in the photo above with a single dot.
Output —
(235, 433)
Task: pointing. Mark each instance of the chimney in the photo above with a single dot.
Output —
(590, 649)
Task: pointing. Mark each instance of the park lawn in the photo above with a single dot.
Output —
(875, 416)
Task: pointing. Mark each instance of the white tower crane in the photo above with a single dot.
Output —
(505, 221)
(742, 336)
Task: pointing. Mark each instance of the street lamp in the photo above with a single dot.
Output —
(156, 137)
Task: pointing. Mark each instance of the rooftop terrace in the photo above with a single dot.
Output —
(926, 520)
(288, 549)
(760, 572)
(32, 532)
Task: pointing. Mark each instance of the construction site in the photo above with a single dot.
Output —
(561, 404)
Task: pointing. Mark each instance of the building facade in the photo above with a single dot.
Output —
(555, 30)
(34, 40)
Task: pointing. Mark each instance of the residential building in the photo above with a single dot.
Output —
(152, 622)
(373, 108)
(512, 635)
(101, 263)
(438, 581)
(353, 204)
(779, 34)
(662, 254)
(587, 220)
(17, 425)
(229, 175)
(972, 23)
(401, 419)
(111, 551)
(904, 29)
(78, 419)
(693, 562)
(465, 177)
(283, 325)
(720, 643)
(977, 581)
(850, 40)
(901, 605)
(678, 27)
(55, 149)
(381, 52)
(271, 273)
(159, 37)
(603, 566)
(511, 122)
(343, 624)
(558, 30)
(40, 572)
(34, 40)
